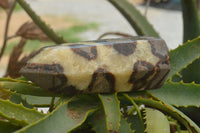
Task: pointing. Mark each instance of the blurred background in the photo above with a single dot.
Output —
(80, 20)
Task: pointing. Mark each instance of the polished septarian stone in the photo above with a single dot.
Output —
(101, 66)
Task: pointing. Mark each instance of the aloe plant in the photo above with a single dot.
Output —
(152, 111)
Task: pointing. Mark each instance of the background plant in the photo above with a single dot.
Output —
(160, 110)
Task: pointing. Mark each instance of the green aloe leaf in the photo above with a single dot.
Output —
(18, 114)
(5, 94)
(84, 128)
(65, 117)
(14, 97)
(6, 127)
(25, 88)
(191, 73)
(134, 17)
(179, 94)
(192, 112)
(190, 19)
(156, 121)
(98, 121)
(191, 30)
(125, 126)
(62, 100)
(38, 101)
(183, 55)
(171, 111)
(137, 110)
(135, 123)
(18, 99)
(111, 107)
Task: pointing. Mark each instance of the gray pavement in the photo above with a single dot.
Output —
(168, 23)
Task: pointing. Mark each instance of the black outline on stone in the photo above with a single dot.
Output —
(125, 48)
(107, 75)
(92, 55)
